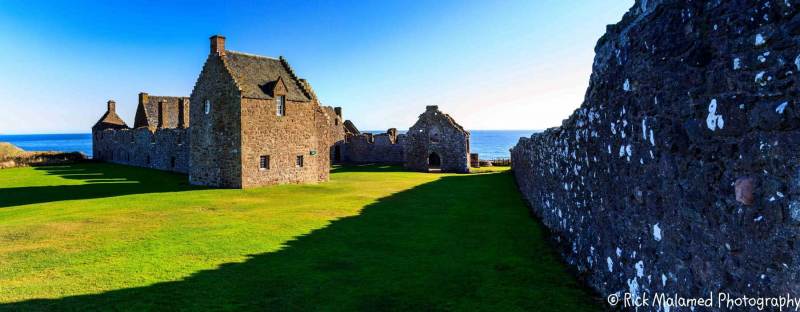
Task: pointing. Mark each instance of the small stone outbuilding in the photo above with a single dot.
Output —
(437, 143)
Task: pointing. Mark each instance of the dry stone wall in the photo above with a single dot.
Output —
(679, 172)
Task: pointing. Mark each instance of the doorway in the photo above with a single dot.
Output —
(434, 162)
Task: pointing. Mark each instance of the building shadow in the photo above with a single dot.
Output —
(95, 180)
(461, 242)
(367, 167)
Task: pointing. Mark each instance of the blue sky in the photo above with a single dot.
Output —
(490, 64)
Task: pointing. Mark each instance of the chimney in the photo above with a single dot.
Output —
(338, 111)
(432, 107)
(181, 112)
(218, 45)
(112, 106)
(143, 98)
(162, 120)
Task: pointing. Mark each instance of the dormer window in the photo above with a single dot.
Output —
(280, 105)
(207, 107)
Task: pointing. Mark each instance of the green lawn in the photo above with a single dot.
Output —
(107, 237)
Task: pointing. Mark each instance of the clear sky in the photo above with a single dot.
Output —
(490, 64)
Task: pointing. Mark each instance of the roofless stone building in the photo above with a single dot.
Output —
(437, 142)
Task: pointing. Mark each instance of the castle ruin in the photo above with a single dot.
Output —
(251, 121)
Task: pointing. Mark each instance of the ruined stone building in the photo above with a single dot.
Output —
(383, 148)
(158, 140)
(437, 142)
(249, 121)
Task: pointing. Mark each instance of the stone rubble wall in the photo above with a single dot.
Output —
(689, 103)
(378, 148)
(164, 149)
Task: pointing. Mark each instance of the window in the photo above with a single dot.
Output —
(336, 121)
(207, 107)
(263, 162)
(280, 105)
(299, 162)
(172, 162)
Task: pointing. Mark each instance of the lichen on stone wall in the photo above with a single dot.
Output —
(685, 98)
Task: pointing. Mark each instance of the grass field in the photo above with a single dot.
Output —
(107, 237)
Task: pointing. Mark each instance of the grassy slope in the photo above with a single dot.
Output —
(9, 150)
(99, 236)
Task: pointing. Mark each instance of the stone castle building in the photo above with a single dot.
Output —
(251, 121)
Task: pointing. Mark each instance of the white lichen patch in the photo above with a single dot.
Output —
(760, 40)
(760, 80)
(797, 62)
(657, 232)
(794, 210)
(619, 252)
(714, 121)
(610, 264)
(639, 266)
(626, 86)
(781, 107)
(737, 63)
(763, 57)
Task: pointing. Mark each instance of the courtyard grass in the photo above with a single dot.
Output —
(107, 237)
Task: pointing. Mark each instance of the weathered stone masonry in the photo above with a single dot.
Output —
(639, 185)
(153, 143)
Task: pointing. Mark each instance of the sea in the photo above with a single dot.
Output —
(490, 144)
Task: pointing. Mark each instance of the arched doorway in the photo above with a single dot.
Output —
(434, 162)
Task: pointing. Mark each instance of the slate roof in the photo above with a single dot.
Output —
(148, 114)
(110, 120)
(256, 76)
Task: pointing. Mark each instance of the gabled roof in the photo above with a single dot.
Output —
(110, 120)
(257, 75)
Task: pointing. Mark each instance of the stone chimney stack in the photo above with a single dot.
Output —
(112, 106)
(181, 113)
(338, 111)
(432, 107)
(162, 115)
(218, 45)
(143, 98)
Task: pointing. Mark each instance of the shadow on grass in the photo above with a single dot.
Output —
(367, 168)
(461, 242)
(98, 180)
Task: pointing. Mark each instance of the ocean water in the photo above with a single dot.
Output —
(490, 144)
(76, 142)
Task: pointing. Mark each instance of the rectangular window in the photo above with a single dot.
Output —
(299, 162)
(263, 162)
(280, 103)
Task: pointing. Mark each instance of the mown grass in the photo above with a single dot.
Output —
(107, 237)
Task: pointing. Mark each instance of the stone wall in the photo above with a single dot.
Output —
(215, 157)
(382, 148)
(305, 130)
(688, 104)
(164, 149)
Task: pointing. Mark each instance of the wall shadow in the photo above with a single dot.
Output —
(368, 167)
(459, 243)
(99, 180)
